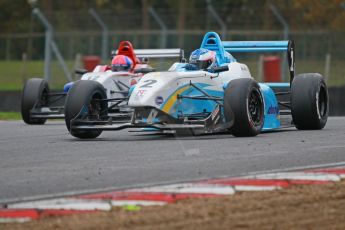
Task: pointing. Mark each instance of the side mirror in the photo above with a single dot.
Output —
(144, 60)
(220, 69)
(81, 71)
(112, 54)
(144, 70)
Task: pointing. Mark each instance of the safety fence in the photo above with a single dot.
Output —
(309, 45)
(97, 32)
(316, 51)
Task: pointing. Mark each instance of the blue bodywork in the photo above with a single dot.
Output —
(255, 46)
(131, 90)
(67, 86)
(272, 114)
(212, 42)
(223, 49)
(189, 106)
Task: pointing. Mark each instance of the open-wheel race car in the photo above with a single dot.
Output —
(213, 93)
(39, 103)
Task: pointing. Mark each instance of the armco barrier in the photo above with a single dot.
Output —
(337, 100)
(10, 101)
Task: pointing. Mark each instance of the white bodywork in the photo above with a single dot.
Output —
(113, 82)
(164, 84)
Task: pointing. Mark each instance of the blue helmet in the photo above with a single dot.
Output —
(203, 58)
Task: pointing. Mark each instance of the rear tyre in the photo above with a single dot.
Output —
(309, 101)
(244, 106)
(80, 102)
(35, 93)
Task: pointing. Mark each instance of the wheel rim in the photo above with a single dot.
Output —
(44, 98)
(255, 108)
(95, 106)
(322, 102)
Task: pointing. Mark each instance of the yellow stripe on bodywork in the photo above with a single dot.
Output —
(166, 108)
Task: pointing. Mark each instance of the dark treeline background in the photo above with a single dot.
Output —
(240, 14)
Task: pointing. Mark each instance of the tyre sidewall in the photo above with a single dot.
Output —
(77, 98)
(305, 94)
(32, 94)
(236, 98)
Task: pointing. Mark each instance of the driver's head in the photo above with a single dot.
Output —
(121, 63)
(203, 58)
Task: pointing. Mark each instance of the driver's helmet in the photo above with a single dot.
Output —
(121, 63)
(203, 58)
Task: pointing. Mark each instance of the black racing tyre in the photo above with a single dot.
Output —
(309, 101)
(243, 104)
(35, 93)
(80, 96)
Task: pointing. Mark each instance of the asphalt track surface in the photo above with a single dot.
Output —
(45, 161)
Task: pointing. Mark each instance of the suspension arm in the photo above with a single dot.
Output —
(200, 98)
(285, 104)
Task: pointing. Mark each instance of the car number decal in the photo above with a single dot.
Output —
(148, 84)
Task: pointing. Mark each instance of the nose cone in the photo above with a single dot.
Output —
(152, 89)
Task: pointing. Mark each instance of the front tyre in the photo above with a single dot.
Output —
(35, 94)
(244, 106)
(309, 101)
(83, 102)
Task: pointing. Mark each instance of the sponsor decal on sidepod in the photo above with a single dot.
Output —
(159, 100)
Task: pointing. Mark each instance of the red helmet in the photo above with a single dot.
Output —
(121, 63)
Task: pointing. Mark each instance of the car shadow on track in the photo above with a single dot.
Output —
(134, 137)
(152, 137)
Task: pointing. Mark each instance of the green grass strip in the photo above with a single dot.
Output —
(10, 116)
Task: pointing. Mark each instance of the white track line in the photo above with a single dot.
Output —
(299, 176)
(65, 204)
(15, 220)
(245, 188)
(190, 188)
(342, 176)
(136, 202)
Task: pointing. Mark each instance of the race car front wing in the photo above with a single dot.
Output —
(158, 120)
(52, 109)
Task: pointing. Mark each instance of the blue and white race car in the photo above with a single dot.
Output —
(214, 93)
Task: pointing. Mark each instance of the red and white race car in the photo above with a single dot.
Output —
(39, 103)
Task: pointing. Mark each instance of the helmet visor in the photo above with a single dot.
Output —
(203, 64)
(117, 68)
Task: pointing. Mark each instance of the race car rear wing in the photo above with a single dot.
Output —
(212, 41)
(264, 46)
(159, 53)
